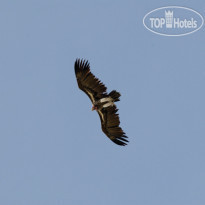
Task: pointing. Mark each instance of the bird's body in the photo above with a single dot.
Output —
(102, 102)
(107, 101)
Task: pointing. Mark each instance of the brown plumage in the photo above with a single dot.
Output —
(102, 102)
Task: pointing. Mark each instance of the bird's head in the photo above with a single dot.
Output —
(94, 107)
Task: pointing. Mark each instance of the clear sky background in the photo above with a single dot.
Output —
(52, 149)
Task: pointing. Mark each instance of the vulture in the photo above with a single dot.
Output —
(102, 102)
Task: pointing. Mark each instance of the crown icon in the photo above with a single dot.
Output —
(169, 18)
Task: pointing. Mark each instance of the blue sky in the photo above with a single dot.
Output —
(52, 149)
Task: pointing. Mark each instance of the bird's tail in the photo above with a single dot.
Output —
(115, 95)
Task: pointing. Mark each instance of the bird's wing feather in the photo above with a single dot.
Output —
(110, 125)
(87, 82)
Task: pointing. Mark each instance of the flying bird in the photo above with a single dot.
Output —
(102, 102)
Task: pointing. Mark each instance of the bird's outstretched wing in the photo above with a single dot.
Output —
(87, 82)
(110, 125)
